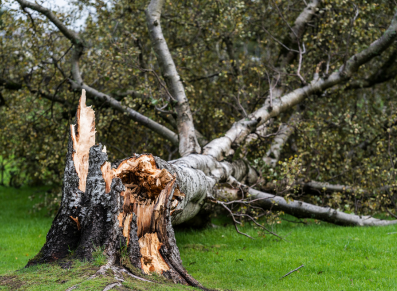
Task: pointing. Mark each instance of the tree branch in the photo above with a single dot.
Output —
(78, 83)
(273, 154)
(221, 146)
(13, 86)
(387, 71)
(285, 58)
(306, 210)
(68, 33)
(10, 85)
(297, 31)
(342, 188)
(188, 143)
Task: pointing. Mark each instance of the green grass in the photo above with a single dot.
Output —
(54, 277)
(22, 233)
(335, 258)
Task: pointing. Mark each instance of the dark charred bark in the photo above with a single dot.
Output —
(95, 211)
(64, 233)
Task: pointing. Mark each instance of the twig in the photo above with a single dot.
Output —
(232, 215)
(290, 272)
(164, 86)
(235, 222)
(244, 215)
(388, 211)
(261, 226)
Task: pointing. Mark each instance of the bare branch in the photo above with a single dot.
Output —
(234, 220)
(286, 57)
(290, 272)
(261, 226)
(188, 143)
(68, 33)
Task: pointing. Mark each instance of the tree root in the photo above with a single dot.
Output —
(117, 271)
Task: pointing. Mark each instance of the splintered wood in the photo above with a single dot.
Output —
(147, 190)
(83, 138)
(145, 198)
(151, 260)
(77, 222)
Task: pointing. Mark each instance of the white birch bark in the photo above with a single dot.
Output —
(273, 154)
(188, 143)
(306, 210)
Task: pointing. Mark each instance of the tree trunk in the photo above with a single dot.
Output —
(125, 207)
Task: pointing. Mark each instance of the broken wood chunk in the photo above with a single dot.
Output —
(146, 195)
(174, 204)
(178, 194)
(144, 218)
(127, 227)
(121, 219)
(77, 222)
(151, 260)
(107, 175)
(83, 138)
(127, 202)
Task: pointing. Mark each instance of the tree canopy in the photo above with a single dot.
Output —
(235, 58)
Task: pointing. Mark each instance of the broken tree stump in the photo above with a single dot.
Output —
(124, 208)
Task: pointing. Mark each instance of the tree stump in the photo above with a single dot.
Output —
(124, 208)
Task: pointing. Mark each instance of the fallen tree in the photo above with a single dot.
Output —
(128, 207)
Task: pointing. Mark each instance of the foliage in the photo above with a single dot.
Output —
(226, 53)
(50, 200)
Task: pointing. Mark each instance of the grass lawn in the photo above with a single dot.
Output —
(334, 258)
(22, 233)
